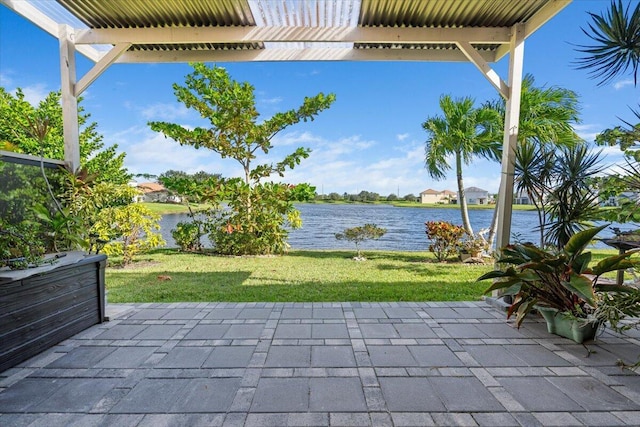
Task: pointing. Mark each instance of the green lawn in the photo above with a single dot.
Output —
(298, 276)
(172, 208)
(170, 276)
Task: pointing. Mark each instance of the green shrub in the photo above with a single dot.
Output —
(187, 235)
(445, 238)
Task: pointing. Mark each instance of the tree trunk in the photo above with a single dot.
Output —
(494, 227)
(466, 224)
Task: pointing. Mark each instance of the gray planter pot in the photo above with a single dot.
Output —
(573, 329)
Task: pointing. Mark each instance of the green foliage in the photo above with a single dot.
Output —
(557, 278)
(445, 238)
(188, 234)
(134, 227)
(572, 202)
(303, 192)
(360, 234)
(255, 220)
(616, 34)
(37, 130)
(464, 132)
(19, 245)
(258, 212)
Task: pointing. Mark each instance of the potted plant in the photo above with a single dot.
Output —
(472, 246)
(561, 284)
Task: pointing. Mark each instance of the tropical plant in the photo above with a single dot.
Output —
(20, 245)
(560, 279)
(130, 230)
(258, 212)
(533, 176)
(464, 132)
(573, 203)
(445, 238)
(187, 235)
(474, 244)
(616, 50)
(360, 234)
(547, 116)
(616, 34)
(37, 130)
(191, 189)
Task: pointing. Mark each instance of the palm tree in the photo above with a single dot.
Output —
(464, 132)
(573, 203)
(546, 118)
(617, 43)
(533, 176)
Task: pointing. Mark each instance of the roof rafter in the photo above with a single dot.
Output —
(309, 54)
(189, 35)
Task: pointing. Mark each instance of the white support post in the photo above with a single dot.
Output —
(511, 125)
(69, 99)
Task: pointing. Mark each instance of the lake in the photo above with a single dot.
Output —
(405, 226)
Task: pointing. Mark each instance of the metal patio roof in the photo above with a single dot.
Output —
(277, 30)
(124, 31)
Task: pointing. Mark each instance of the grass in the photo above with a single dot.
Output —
(172, 208)
(301, 276)
(171, 276)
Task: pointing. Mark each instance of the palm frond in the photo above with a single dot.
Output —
(616, 34)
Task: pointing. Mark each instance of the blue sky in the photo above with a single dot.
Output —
(370, 139)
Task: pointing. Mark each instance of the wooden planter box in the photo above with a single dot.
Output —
(43, 306)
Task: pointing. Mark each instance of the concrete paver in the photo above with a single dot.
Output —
(322, 364)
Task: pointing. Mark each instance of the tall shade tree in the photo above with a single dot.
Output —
(463, 132)
(255, 220)
(547, 116)
(616, 48)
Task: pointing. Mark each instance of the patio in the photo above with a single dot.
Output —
(313, 364)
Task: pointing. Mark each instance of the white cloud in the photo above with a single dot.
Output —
(5, 80)
(296, 138)
(622, 84)
(164, 111)
(150, 152)
(35, 93)
(588, 132)
(402, 136)
(271, 101)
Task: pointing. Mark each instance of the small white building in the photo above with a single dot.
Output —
(476, 196)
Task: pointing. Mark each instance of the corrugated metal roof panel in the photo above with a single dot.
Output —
(447, 13)
(421, 46)
(197, 46)
(160, 13)
(306, 13)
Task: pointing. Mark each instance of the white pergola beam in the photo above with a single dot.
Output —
(476, 59)
(186, 35)
(68, 98)
(100, 67)
(31, 13)
(510, 140)
(310, 54)
(547, 12)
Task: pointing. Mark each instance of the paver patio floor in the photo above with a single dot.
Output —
(322, 364)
